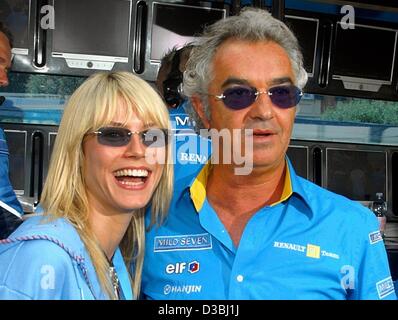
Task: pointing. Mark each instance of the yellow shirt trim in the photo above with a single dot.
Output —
(287, 188)
(198, 187)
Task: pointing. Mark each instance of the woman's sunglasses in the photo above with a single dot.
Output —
(240, 97)
(118, 137)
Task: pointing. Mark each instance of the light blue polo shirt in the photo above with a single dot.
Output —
(191, 151)
(8, 199)
(180, 119)
(312, 244)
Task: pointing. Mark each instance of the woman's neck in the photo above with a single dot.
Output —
(109, 229)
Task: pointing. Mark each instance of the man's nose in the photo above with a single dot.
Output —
(262, 107)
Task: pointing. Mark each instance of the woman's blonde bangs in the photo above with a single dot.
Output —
(122, 94)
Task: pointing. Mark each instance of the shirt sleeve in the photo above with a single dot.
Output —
(373, 279)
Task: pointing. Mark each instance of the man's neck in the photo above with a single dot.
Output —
(261, 187)
(237, 198)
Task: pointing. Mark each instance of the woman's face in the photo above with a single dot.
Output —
(119, 179)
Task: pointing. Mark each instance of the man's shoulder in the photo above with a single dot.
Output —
(183, 183)
(2, 135)
(324, 201)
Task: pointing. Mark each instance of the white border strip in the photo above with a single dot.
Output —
(10, 209)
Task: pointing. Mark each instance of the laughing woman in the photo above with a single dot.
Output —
(111, 160)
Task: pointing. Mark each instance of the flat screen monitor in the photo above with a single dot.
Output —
(306, 31)
(16, 141)
(364, 56)
(174, 25)
(356, 174)
(15, 15)
(92, 34)
(51, 141)
(298, 155)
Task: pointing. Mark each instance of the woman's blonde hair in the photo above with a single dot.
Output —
(93, 105)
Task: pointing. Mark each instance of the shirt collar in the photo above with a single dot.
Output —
(287, 188)
(198, 187)
(291, 185)
(298, 188)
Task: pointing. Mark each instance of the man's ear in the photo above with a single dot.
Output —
(199, 108)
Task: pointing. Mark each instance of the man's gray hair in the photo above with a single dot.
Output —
(251, 24)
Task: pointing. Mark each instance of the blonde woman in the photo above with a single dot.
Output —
(110, 162)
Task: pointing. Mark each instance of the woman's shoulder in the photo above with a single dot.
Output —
(35, 269)
(41, 223)
(39, 258)
(43, 240)
(59, 231)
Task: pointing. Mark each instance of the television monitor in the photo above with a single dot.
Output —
(357, 174)
(306, 31)
(298, 155)
(17, 141)
(174, 24)
(51, 141)
(364, 56)
(15, 15)
(92, 34)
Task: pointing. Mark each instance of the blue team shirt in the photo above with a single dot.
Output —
(190, 150)
(180, 119)
(47, 260)
(313, 244)
(8, 199)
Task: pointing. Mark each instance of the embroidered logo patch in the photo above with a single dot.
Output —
(385, 287)
(313, 251)
(183, 267)
(183, 242)
(375, 237)
(193, 267)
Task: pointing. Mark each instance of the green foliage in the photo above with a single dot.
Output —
(361, 110)
(17, 83)
(59, 85)
(40, 83)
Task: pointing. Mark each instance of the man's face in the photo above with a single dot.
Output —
(5, 59)
(262, 65)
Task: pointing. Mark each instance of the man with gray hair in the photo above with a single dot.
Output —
(10, 208)
(5, 54)
(268, 234)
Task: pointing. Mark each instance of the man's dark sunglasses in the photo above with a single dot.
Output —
(118, 137)
(240, 97)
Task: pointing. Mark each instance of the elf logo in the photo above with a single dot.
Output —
(180, 267)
